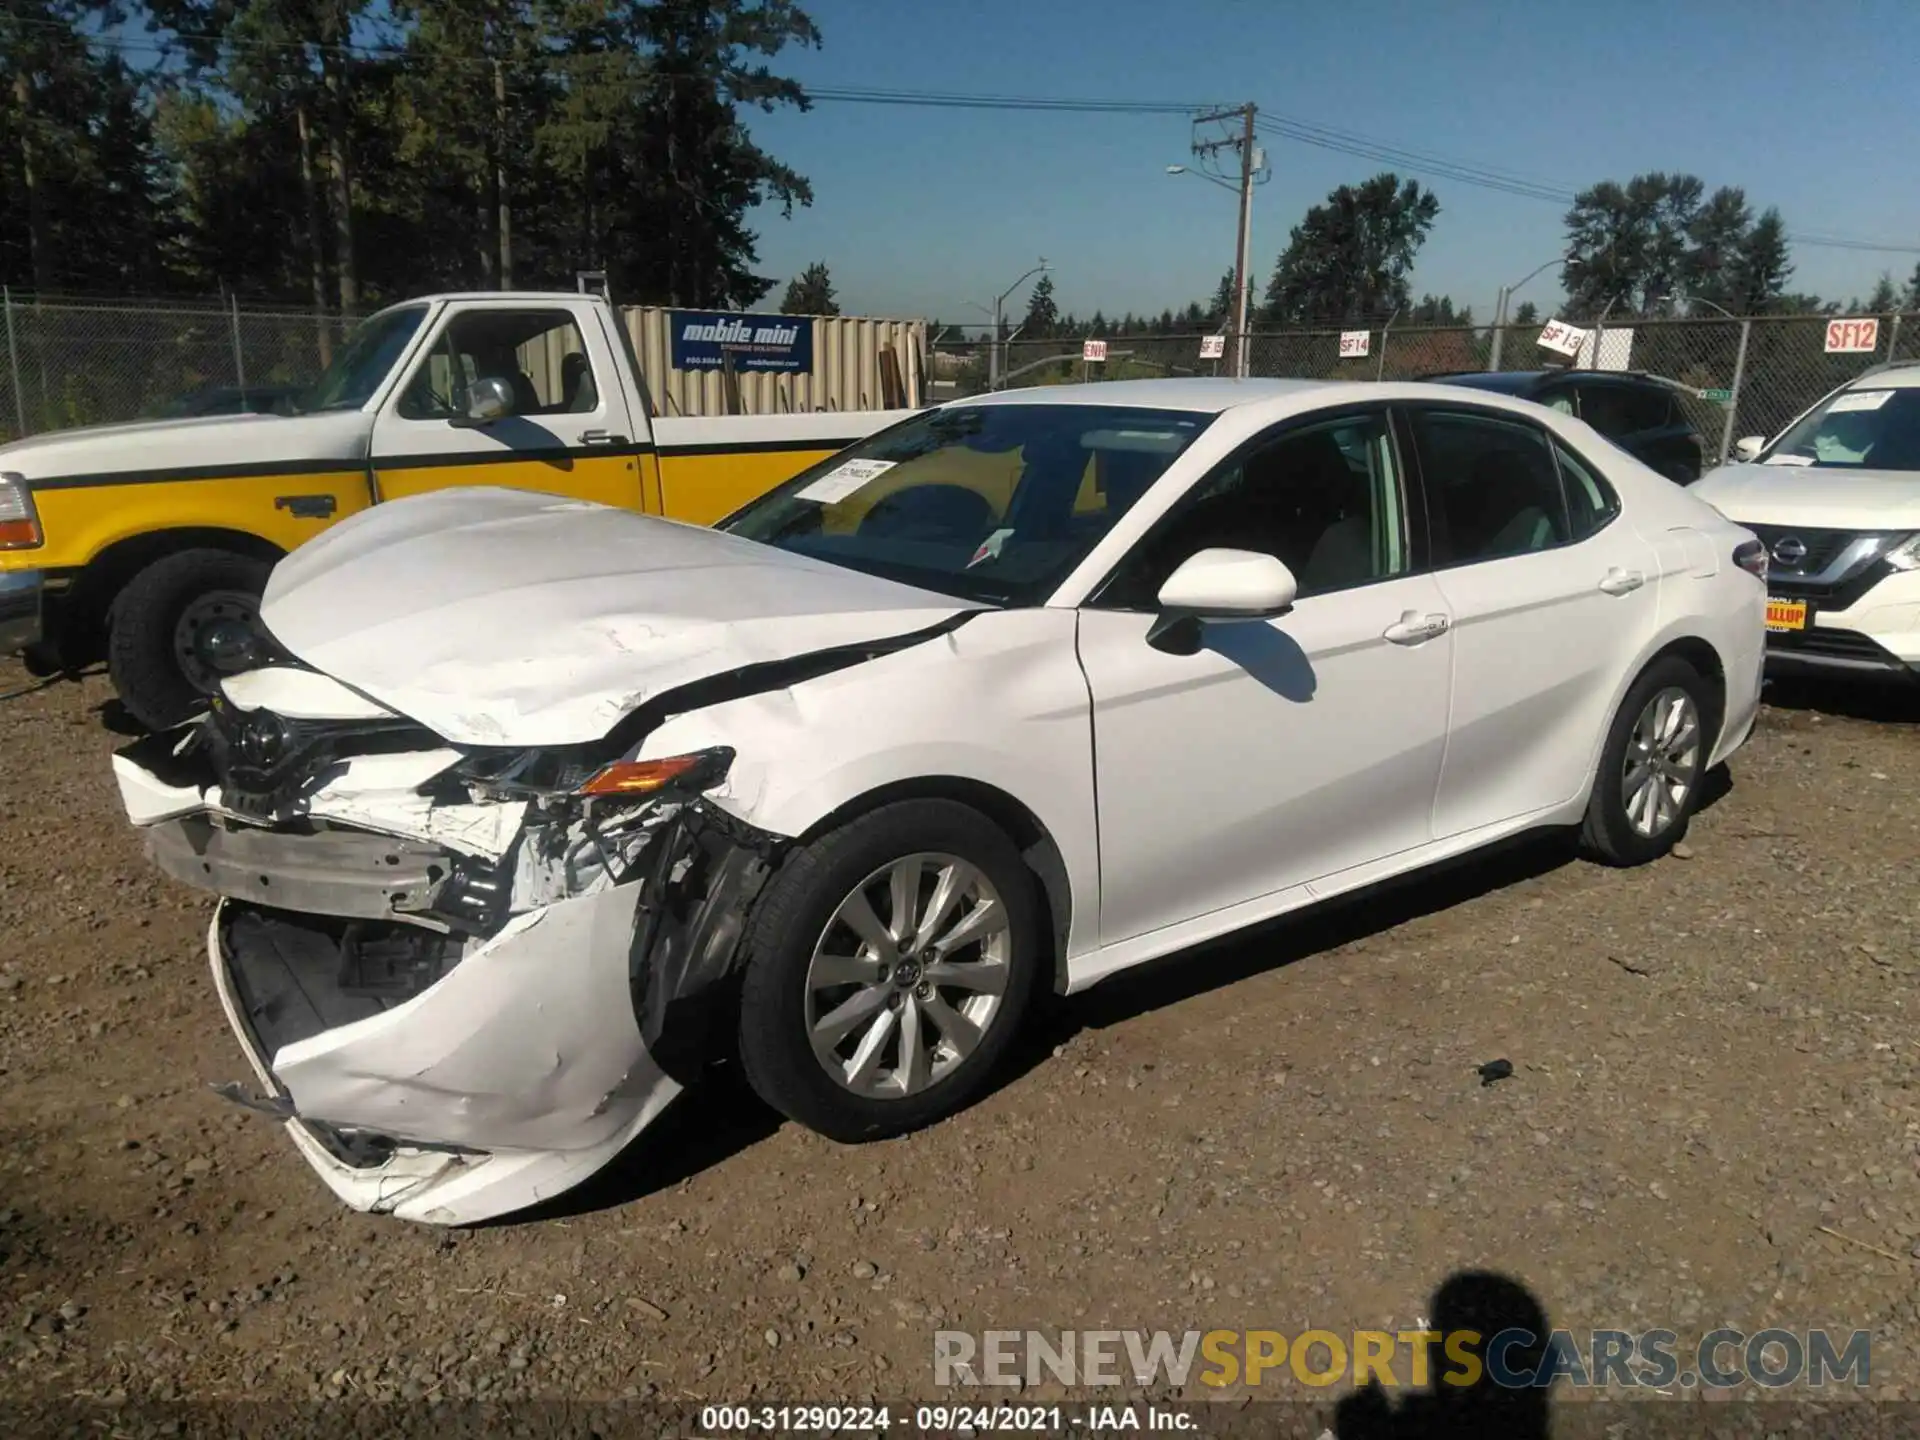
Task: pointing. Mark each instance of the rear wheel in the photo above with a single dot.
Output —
(1651, 767)
(890, 964)
(179, 628)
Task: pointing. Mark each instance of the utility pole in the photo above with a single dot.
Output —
(1251, 164)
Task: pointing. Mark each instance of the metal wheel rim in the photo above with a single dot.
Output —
(908, 976)
(205, 618)
(1662, 763)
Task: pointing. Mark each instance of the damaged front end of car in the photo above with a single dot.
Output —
(466, 977)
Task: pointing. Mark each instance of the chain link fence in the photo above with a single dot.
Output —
(1735, 377)
(70, 362)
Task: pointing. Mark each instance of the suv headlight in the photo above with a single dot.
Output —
(19, 520)
(1905, 555)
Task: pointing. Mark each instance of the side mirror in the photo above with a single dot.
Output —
(1219, 585)
(1749, 446)
(488, 399)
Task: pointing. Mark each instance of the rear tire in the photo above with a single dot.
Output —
(155, 614)
(961, 1004)
(1651, 767)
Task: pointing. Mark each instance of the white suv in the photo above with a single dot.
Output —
(1836, 500)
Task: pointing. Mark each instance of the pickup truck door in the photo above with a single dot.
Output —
(571, 431)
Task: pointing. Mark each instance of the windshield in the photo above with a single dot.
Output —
(363, 362)
(986, 502)
(1857, 429)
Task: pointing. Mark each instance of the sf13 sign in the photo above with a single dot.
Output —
(702, 339)
(1354, 343)
(1093, 350)
(1561, 337)
(1853, 337)
(1212, 347)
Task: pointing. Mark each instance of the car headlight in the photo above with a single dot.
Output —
(1905, 555)
(19, 520)
(585, 771)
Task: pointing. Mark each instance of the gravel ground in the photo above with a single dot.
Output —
(1712, 1119)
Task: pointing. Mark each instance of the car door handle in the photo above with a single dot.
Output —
(1622, 582)
(601, 437)
(1412, 627)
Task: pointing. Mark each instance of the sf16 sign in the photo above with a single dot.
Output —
(1853, 337)
(703, 339)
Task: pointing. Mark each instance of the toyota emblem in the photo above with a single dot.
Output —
(1790, 550)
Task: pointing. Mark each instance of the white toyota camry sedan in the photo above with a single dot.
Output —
(532, 810)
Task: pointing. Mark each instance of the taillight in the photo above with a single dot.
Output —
(19, 521)
(1751, 556)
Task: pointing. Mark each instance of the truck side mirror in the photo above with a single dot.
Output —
(488, 399)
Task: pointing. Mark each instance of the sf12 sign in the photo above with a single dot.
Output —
(1093, 350)
(1562, 338)
(1853, 337)
(1354, 343)
(1212, 347)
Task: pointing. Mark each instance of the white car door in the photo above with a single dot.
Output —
(1552, 595)
(1283, 750)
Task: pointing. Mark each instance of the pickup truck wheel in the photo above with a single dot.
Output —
(179, 627)
(889, 965)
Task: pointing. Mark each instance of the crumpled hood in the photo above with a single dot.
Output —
(1826, 497)
(504, 617)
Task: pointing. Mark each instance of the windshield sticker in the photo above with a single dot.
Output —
(1789, 460)
(843, 480)
(1859, 400)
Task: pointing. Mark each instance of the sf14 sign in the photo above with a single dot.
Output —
(1564, 339)
(1093, 350)
(1353, 343)
(1853, 337)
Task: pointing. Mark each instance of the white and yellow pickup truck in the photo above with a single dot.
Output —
(149, 544)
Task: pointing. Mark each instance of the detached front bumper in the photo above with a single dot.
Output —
(22, 596)
(455, 1015)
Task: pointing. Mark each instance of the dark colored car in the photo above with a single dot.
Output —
(1639, 413)
(231, 400)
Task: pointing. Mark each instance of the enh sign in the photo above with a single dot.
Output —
(1093, 350)
(1853, 337)
(1212, 347)
(1353, 343)
(1562, 338)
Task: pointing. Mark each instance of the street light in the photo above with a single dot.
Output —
(1500, 308)
(1242, 279)
(993, 347)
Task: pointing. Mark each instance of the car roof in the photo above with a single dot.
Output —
(1891, 377)
(1200, 393)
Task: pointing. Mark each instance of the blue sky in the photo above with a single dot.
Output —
(1810, 107)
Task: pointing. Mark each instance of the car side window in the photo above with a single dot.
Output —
(1325, 499)
(1591, 502)
(1492, 487)
(539, 353)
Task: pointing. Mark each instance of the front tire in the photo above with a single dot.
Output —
(179, 627)
(1651, 767)
(890, 964)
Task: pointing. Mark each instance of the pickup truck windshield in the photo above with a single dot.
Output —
(1858, 430)
(993, 502)
(363, 362)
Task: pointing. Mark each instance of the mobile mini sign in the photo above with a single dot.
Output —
(703, 339)
(1853, 337)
